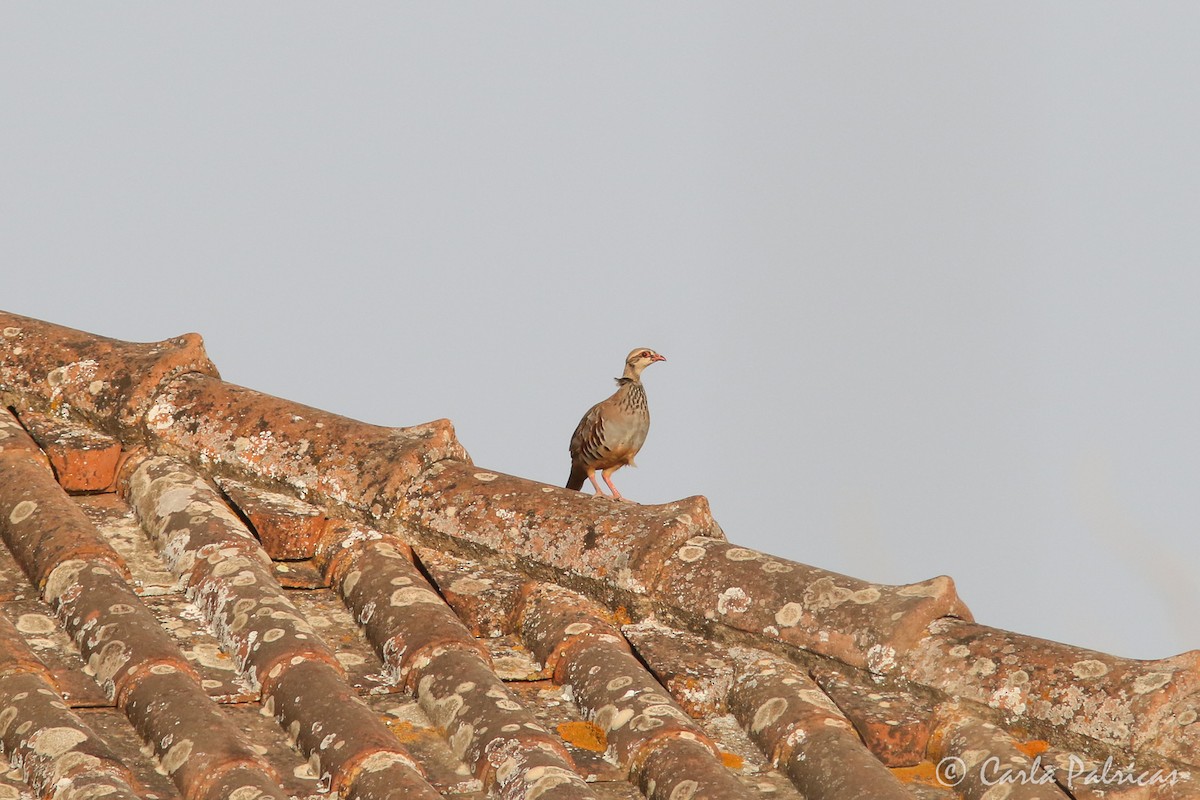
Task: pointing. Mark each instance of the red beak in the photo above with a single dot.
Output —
(657, 357)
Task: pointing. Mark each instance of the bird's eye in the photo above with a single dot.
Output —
(645, 354)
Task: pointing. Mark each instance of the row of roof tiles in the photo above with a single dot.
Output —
(836, 680)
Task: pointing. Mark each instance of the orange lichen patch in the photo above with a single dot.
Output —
(621, 616)
(731, 760)
(584, 735)
(403, 730)
(924, 774)
(1034, 747)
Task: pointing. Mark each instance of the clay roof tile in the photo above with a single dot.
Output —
(248, 597)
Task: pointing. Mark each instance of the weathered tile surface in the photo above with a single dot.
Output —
(275, 601)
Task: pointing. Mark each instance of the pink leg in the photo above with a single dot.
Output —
(608, 479)
(591, 473)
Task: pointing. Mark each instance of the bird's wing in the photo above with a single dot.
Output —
(589, 435)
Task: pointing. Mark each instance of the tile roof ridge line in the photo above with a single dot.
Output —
(425, 466)
(108, 383)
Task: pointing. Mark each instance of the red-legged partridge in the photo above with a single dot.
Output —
(612, 431)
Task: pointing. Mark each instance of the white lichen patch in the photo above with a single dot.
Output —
(934, 587)
(413, 595)
(22, 511)
(733, 600)
(982, 667)
(768, 713)
(63, 577)
(1089, 668)
(1151, 682)
(863, 596)
(881, 659)
(689, 553)
(1009, 699)
(609, 718)
(742, 554)
(53, 742)
(819, 699)
(6, 718)
(618, 683)
(789, 615)
(470, 586)
(35, 624)
(486, 477)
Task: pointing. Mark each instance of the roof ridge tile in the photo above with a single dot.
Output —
(1141, 705)
(867, 625)
(84, 459)
(108, 382)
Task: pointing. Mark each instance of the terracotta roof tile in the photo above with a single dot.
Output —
(859, 623)
(700, 684)
(644, 728)
(1140, 705)
(84, 459)
(276, 444)
(115, 521)
(54, 649)
(983, 753)
(287, 528)
(15, 439)
(894, 724)
(583, 541)
(273, 601)
(487, 601)
(427, 648)
(41, 526)
(789, 716)
(105, 382)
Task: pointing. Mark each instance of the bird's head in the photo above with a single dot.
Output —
(639, 359)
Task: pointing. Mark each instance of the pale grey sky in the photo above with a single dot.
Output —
(925, 273)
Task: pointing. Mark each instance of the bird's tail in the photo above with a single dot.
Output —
(578, 476)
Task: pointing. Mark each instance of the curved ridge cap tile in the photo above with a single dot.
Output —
(41, 525)
(15, 656)
(862, 624)
(619, 694)
(282, 445)
(107, 382)
(184, 516)
(1148, 705)
(336, 730)
(15, 440)
(228, 574)
(620, 545)
(51, 743)
(429, 649)
(804, 733)
(979, 748)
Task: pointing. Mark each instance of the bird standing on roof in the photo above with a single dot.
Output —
(612, 432)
